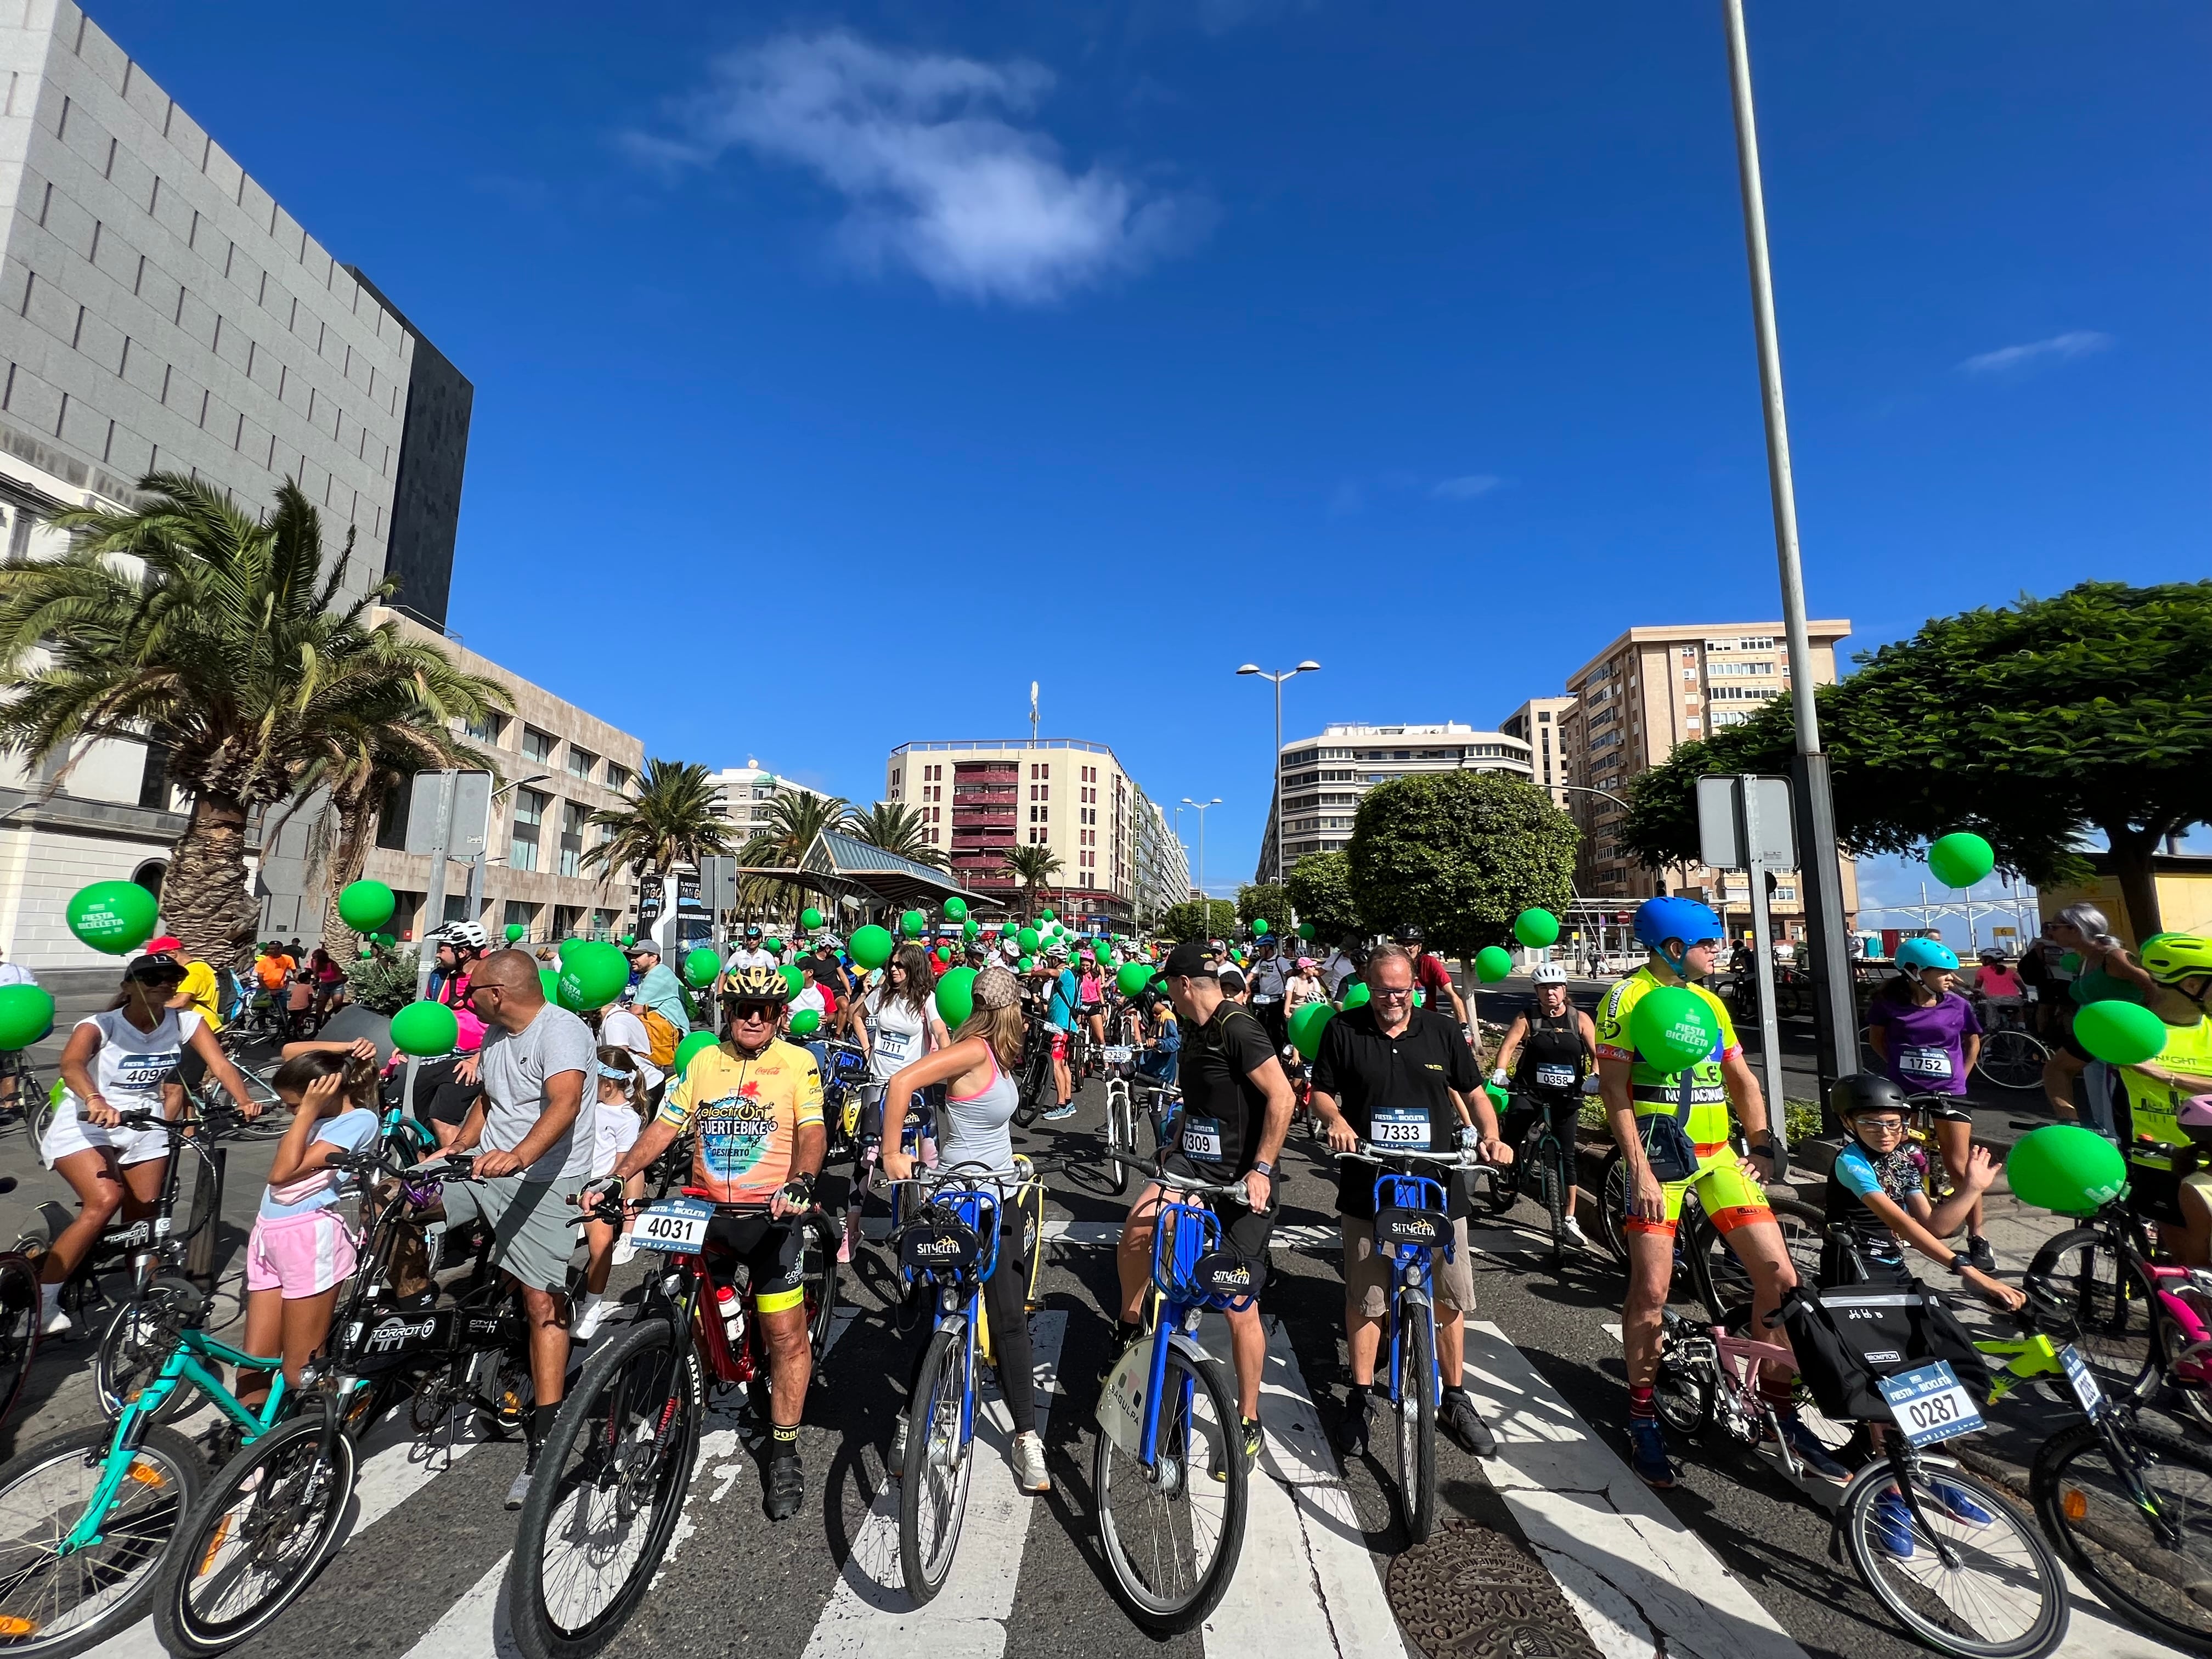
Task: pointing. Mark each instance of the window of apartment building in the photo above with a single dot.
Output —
(580, 762)
(603, 922)
(154, 782)
(894, 781)
(537, 745)
(522, 915)
(486, 729)
(529, 820)
(618, 776)
(392, 816)
(572, 838)
(565, 918)
(1719, 670)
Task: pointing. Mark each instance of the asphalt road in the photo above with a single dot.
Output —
(1551, 1551)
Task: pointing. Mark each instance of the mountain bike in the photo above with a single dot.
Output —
(615, 1465)
(1168, 1473)
(1035, 1088)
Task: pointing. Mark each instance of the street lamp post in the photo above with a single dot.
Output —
(1275, 760)
(1203, 898)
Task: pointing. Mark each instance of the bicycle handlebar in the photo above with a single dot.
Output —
(1374, 1154)
(1180, 1183)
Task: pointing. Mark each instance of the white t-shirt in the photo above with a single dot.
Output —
(897, 1037)
(14, 973)
(516, 1065)
(741, 959)
(809, 998)
(622, 1028)
(614, 1132)
(127, 1066)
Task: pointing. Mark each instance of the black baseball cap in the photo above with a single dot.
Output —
(1187, 960)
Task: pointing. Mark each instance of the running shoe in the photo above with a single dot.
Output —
(1647, 1453)
(1351, 1431)
(1465, 1424)
(1956, 1502)
(1030, 1473)
(1891, 1523)
(894, 1459)
(625, 1249)
(1979, 1256)
(1057, 1114)
(1573, 1230)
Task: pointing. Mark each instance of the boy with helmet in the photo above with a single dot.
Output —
(1926, 1039)
(1673, 1128)
(2168, 1096)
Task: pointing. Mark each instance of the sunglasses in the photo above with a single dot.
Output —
(749, 1011)
(1883, 1126)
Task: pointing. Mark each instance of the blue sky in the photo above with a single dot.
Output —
(841, 370)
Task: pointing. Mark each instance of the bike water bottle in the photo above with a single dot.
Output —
(733, 1315)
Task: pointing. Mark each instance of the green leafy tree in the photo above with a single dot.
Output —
(898, 828)
(1461, 853)
(226, 639)
(2037, 725)
(1034, 867)
(1319, 889)
(795, 819)
(1255, 899)
(1214, 919)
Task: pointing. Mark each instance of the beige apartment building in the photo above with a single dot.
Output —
(1321, 780)
(1539, 723)
(1631, 705)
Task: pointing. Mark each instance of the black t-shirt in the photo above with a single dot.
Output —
(1394, 1090)
(1553, 1058)
(1222, 1110)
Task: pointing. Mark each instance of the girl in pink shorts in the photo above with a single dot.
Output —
(302, 1248)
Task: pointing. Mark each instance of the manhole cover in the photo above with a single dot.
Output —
(1472, 1591)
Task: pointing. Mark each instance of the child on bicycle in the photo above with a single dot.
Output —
(303, 1249)
(616, 1121)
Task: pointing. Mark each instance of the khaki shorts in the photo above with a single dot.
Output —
(532, 1222)
(1367, 1272)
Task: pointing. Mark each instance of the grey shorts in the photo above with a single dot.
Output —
(532, 1223)
(1367, 1271)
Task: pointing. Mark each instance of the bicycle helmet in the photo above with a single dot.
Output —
(2169, 958)
(1549, 973)
(462, 936)
(758, 982)
(1916, 954)
(1658, 919)
(1408, 935)
(1865, 1091)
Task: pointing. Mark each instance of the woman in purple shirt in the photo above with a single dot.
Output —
(1927, 1037)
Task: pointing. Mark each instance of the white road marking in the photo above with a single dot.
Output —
(1639, 1580)
(870, 1613)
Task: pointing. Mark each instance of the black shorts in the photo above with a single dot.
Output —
(440, 1097)
(772, 1249)
(1243, 1229)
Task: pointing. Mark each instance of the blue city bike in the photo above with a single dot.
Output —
(1168, 1475)
(1413, 1222)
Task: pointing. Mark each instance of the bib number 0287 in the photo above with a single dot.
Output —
(1930, 1404)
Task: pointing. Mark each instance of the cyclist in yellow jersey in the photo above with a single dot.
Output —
(1681, 937)
(2159, 1090)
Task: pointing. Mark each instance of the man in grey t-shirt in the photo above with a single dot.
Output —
(535, 1062)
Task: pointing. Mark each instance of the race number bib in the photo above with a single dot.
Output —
(1201, 1138)
(2082, 1380)
(1555, 1076)
(142, 1074)
(1934, 1063)
(893, 1045)
(676, 1224)
(1930, 1404)
(1402, 1126)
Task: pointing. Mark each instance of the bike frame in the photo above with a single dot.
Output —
(1183, 1235)
(961, 1294)
(1411, 1271)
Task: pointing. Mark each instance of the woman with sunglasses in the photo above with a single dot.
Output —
(899, 1026)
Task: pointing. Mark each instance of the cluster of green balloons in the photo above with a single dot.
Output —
(425, 1029)
(366, 906)
(113, 917)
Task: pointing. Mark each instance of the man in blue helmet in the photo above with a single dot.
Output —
(1673, 1130)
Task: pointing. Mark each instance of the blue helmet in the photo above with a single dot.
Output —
(1658, 919)
(1916, 954)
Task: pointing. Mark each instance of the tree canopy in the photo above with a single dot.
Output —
(899, 828)
(1320, 888)
(1215, 919)
(2037, 725)
(1461, 853)
(1259, 899)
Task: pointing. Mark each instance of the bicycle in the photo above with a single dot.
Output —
(1551, 1164)
(1703, 1263)
(2011, 1056)
(19, 1319)
(1035, 1087)
(1168, 1475)
(615, 1465)
(1120, 1130)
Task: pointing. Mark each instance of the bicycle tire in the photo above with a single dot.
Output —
(1683, 1391)
(137, 1547)
(1611, 1205)
(944, 1392)
(1721, 1281)
(19, 1326)
(288, 1467)
(1416, 1410)
(1120, 1137)
(1554, 1200)
(2098, 1528)
(646, 1376)
(819, 1238)
(2031, 1559)
(2012, 1059)
(2111, 1323)
(1170, 1612)
(135, 1345)
(501, 1377)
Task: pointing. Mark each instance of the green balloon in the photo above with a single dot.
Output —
(1960, 860)
(386, 940)
(1420, 999)
(1536, 927)
(956, 995)
(969, 928)
(366, 906)
(2066, 1168)
(806, 1022)
(1029, 939)
(1026, 964)
(515, 930)
(1260, 927)
(698, 1043)
(701, 966)
(871, 946)
(1045, 915)
(550, 984)
(2120, 1034)
(1007, 929)
(113, 916)
(425, 1029)
(773, 946)
(1355, 994)
(912, 923)
(957, 910)
(593, 973)
(793, 978)
(1492, 963)
(2071, 962)
(26, 1014)
(1672, 1028)
(628, 940)
(1133, 977)
(1305, 930)
(811, 919)
(1306, 1027)
(367, 952)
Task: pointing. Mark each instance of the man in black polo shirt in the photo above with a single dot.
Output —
(1236, 1110)
(1394, 1075)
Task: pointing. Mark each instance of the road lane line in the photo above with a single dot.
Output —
(869, 1614)
(1639, 1580)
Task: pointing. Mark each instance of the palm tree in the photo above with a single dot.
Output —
(795, 818)
(221, 636)
(898, 828)
(1034, 867)
(676, 818)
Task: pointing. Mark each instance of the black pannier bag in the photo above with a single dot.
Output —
(1847, 1339)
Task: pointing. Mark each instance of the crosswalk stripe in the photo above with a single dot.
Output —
(1305, 1586)
(1639, 1580)
(869, 1614)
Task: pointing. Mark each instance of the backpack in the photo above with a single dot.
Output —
(662, 1036)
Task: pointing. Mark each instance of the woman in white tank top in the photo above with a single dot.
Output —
(900, 1026)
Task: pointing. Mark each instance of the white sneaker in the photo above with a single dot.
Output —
(625, 1248)
(521, 1489)
(1030, 1473)
(1573, 1230)
(587, 1319)
(52, 1321)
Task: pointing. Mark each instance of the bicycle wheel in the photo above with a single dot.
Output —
(1556, 1204)
(1416, 1409)
(1613, 1203)
(501, 1378)
(2000, 1596)
(818, 1244)
(138, 1343)
(1726, 1283)
(2156, 1572)
(2011, 1058)
(255, 1538)
(1122, 1138)
(1172, 1533)
(52, 1604)
(941, 1455)
(19, 1326)
(2113, 1306)
(608, 1492)
(1682, 1388)
(1502, 1190)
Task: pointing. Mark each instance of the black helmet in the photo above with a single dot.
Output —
(1865, 1091)
(1408, 935)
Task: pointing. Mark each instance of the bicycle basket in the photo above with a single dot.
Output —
(1846, 1340)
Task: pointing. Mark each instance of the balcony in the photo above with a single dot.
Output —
(965, 817)
(985, 794)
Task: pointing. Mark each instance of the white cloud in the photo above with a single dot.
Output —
(1465, 488)
(2059, 347)
(937, 171)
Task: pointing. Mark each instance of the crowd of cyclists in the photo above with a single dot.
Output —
(798, 1082)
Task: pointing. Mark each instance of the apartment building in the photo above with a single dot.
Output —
(1321, 779)
(1539, 723)
(1648, 691)
(747, 792)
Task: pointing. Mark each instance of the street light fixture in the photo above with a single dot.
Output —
(1275, 760)
(1203, 898)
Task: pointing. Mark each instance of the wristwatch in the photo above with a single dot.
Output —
(1957, 1265)
(1264, 1168)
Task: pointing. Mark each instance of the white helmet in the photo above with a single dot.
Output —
(1549, 973)
(462, 936)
